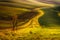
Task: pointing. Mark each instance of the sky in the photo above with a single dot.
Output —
(38, 2)
(50, 1)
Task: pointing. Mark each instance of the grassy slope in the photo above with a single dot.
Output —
(50, 17)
